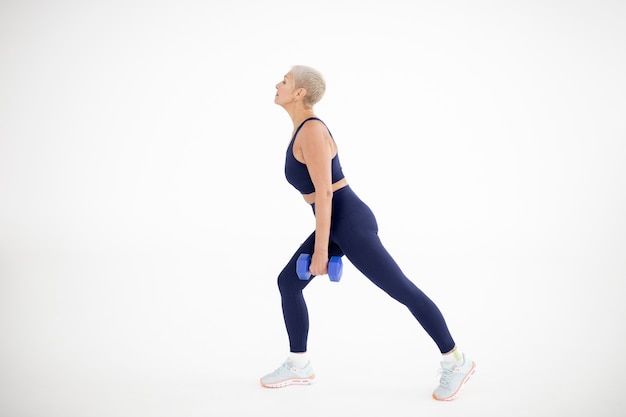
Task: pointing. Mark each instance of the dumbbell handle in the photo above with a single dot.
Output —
(335, 267)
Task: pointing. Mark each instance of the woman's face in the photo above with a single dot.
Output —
(284, 90)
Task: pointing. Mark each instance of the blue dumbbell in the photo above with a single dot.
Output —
(335, 267)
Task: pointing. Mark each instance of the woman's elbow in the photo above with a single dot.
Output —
(324, 195)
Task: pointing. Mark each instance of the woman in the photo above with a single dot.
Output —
(344, 225)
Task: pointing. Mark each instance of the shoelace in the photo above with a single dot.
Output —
(283, 368)
(446, 374)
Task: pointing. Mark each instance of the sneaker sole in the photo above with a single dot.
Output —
(292, 381)
(458, 391)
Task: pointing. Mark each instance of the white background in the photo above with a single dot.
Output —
(144, 215)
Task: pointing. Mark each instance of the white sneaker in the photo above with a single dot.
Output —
(289, 374)
(453, 378)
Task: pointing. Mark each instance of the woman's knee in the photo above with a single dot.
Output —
(288, 283)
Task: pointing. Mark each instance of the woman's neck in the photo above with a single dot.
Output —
(299, 116)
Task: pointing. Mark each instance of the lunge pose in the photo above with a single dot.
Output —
(344, 225)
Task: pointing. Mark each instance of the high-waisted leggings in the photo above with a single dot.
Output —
(354, 233)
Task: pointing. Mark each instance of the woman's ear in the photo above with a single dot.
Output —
(300, 93)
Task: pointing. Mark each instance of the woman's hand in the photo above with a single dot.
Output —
(319, 263)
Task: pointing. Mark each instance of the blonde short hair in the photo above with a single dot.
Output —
(312, 81)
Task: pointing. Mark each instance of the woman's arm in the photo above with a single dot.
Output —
(317, 152)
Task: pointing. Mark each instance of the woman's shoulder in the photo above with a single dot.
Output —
(314, 126)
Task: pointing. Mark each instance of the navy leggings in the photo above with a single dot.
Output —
(354, 233)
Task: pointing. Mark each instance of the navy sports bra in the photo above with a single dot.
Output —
(297, 173)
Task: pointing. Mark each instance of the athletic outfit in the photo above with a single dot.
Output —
(353, 233)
